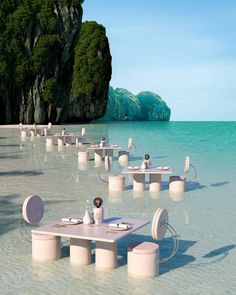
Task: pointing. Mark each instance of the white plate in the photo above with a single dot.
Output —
(70, 222)
(114, 145)
(112, 228)
(163, 168)
(133, 167)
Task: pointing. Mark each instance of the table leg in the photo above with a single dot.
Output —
(106, 255)
(109, 153)
(80, 251)
(45, 247)
(97, 155)
(155, 183)
(68, 140)
(138, 182)
(60, 141)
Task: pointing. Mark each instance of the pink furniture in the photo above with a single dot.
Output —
(44, 247)
(139, 177)
(67, 139)
(81, 235)
(177, 183)
(98, 151)
(143, 257)
(116, 183)
(83, 156)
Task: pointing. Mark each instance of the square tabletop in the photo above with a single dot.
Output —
(91, 232)
(137, 170)
(106, 147)
(68, 135)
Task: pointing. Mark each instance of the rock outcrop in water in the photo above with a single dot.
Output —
(146, 106)
(37, 56)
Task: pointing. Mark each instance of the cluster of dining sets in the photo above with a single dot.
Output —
(103, 151)
(143, 257)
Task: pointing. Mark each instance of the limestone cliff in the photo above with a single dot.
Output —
(37, 41)
(91, 75)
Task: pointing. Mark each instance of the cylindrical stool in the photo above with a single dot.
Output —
(97, 155)
(32, 133)
(106, 255)
(45, 131)
(60, 141)
(143, 259)
(45, 247)
(80, 251)
(83, 156)
(23, 133)
(49, 141)
(177, 184)
(123, 156)
(138, 182)
(155, 183)
(116, 183)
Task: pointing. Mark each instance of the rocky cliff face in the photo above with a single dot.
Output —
(146, 106)
(37, 42)
(91, 75)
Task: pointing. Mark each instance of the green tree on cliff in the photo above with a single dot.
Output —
(92, 68)
(32, 42)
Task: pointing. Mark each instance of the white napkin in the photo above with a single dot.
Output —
(71, 220)
(120, 225)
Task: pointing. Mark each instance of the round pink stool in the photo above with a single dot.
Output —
(23, 133)
(45, 247)
(49, 141)
(32, 133)
(142, 259)
(83, 156)
(123, 156)
(177, 184)
(116, 183)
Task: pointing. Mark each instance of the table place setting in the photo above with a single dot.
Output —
(68, 221)
(133, 168)
(121, 226)
(164, 168)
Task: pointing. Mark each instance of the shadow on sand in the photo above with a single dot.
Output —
(21, 173)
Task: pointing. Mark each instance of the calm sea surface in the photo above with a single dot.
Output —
(204, 216)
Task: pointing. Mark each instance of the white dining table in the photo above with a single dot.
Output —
(154, 177)
(107, 149)
(81, 235)
(62, 139)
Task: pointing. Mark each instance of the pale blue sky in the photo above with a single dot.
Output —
(185, 51)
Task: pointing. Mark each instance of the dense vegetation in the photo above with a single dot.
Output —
(92, 73)
(37, 41)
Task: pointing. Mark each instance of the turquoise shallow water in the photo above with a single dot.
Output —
(204, 215)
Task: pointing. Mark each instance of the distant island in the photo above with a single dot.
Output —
(125, 106)
(55, 68)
